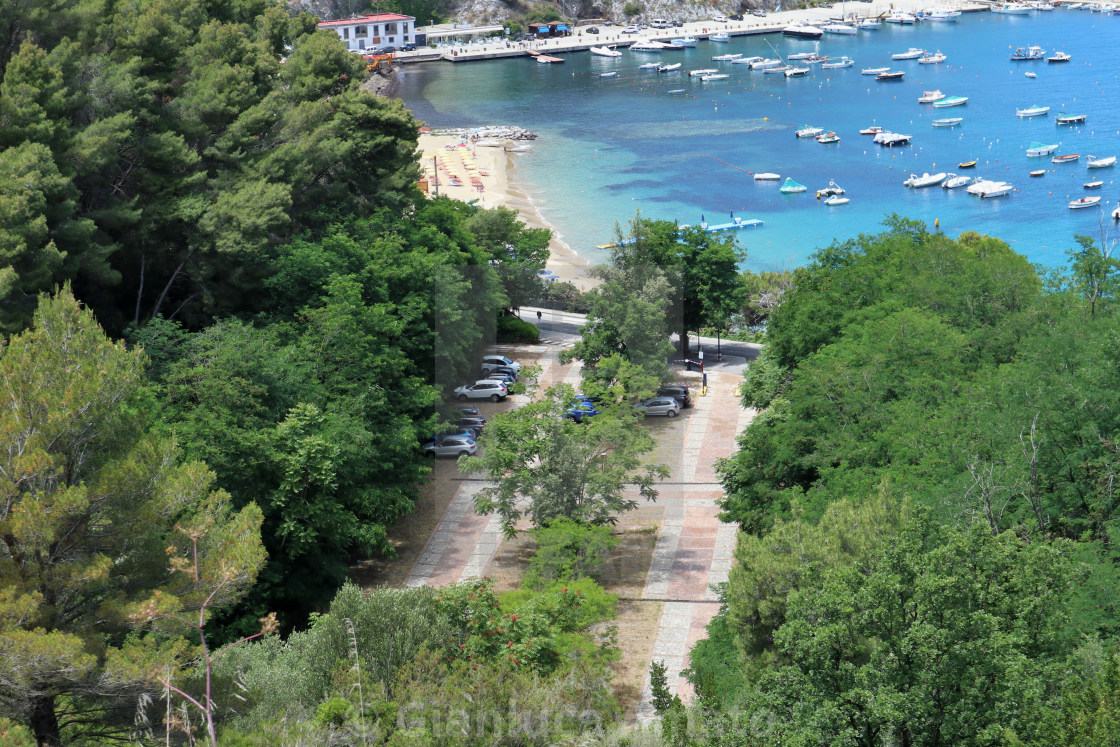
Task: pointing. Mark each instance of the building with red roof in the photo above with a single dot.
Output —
(374, 31)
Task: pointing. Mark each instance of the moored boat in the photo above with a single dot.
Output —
(703, 71)
(685, 41)
(989, 188)
(720, 38)
(791, 187)
(868, 24)
(1093, 185)
(1038, 172)
(648, 46)
(832, 189)
(808, 131)
(911, 54)
(1099, 163)
(1011, 9)
(1084, 202)
(839, 28)
(891, 139)
(746, 60)
(925, 180)
(780, 69)
(967, 164)
(763, 64)
(948, 122)
(802, 31)
(943, 14)
(837, 200)
(800, 55)
(828, 137)
(767, 176)
(609, 75)
(930, 96)
(668, 68)
(890, 75)
(605, 51)
(726, 57)
(1032, 111)
(901, 18)
(1067, 158)
(844, 61)
(1022, 54)
(953, 181)
(933, 59)
(1058, 57)
(873, 130)
(714, 76)
(875, 70)
(797, 71)
(950, 101)
(1037, 149)
(1069, 119)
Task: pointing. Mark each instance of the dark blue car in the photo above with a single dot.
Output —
(580, 410)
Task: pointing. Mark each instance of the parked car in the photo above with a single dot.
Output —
(451, 447)
(483, 389)
(491, 372)
(666, 406)
(470, 412)
(475, 424)
(737, 17)
(453, 433)
(631, 30)
(679, 392)
(719, 18)
(759, 12)
(408, 47)
(386, 49)
(592, 29)
(490, 362)
(580, 410)
(504, 378)
(678, 23)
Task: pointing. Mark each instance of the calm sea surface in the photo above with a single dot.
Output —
(610, 146)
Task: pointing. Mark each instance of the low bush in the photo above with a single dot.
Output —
(512, 329)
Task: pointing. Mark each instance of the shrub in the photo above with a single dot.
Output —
(568, 550)
(512, 329)
(632, 9)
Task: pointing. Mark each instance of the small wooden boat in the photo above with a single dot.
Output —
(948, 122)
(967, 164)
(1083, 202)
(1067, 119)
(1067, 158)
(890, 75)
(1038, 172)
(1094, 185)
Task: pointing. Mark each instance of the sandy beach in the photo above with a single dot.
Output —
(488, 175)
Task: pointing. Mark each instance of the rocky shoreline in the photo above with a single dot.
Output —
(495, 132)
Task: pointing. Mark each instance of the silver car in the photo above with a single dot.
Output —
(666, 406)
(452, 446)
(490, 389)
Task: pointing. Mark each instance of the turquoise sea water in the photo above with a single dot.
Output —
(610, 146)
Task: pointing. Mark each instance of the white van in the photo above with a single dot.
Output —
(660, 23)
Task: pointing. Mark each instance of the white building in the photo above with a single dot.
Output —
(378, 30)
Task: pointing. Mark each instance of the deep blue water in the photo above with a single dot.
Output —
(610, 146)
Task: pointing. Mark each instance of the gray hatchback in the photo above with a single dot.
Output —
(666, 406)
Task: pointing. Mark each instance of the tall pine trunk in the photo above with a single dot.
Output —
(44, 722)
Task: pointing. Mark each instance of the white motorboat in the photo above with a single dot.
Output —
(1099, 163)
(953, 181)
(793, 72)
(911, 54)
(746, 60)
(929, 97)
(779, 70)
(943, 14)
(648, 46)
(763, 64)
(809, 131)
(1022, 54)
(839, 28)
(989, 188)
(726, 57)
(767, 176)
(933, 59)
(1031, 75)
(802, 31)
(649, 66)
(925, 180)
(1041, 149)
(873, 130)
(1093, 185)
(703, 71)
(1084, 202)
(836, 200)
(720, 38)
(950, 101)
(605, 51)
(948, 122)
(668, 68)
(1032, 111)
(901, 18)
(612, 74)
(1058, 57)
(714, 76)
(832, 189)
(875, 70)
(801, 55)
(685, 41)
(1012, 9)
(869, 24)
(891, 139)
(844, 61)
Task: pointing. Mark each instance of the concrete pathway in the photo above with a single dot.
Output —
(695, 549)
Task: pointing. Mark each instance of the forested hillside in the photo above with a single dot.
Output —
(928, 499)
